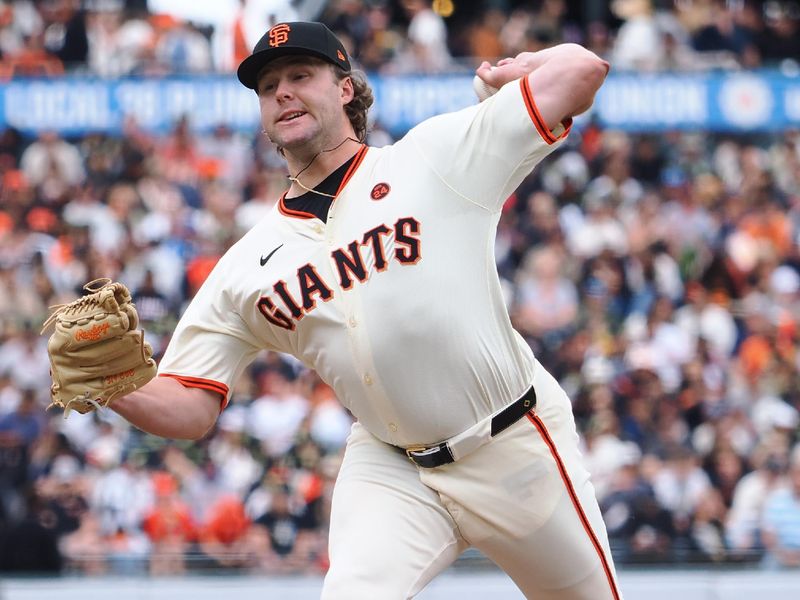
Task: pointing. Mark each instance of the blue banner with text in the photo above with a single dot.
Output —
(721, 101)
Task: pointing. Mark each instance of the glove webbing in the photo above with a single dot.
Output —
(92, 287)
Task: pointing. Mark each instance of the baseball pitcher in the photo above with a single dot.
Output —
(376, 269)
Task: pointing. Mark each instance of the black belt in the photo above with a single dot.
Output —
(440, 454)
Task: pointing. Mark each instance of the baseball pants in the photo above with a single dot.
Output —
(524, 499)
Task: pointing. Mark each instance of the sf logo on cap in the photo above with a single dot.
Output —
(279, 35)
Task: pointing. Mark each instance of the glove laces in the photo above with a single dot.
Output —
(68, 406)
(92, 287)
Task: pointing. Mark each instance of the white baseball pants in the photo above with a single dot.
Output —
(524, 499)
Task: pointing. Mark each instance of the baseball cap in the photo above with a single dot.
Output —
(293, 38)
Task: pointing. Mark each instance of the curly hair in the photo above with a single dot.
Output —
(363, 98)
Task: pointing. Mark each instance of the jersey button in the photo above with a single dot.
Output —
(367, 379)
(352, 322)
(318, 228)
(392, 427)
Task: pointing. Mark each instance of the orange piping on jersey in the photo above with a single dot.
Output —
(536, 116)
(537, 422)
(203, 384)
(298, 214)
(353, 166)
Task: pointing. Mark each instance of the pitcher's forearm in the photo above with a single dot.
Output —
(166, 408)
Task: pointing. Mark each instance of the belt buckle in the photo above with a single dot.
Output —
(414, 449)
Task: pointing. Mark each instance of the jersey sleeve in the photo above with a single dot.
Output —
(483, 152)
(211, 345)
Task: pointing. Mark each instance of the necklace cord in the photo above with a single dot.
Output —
(298, 182)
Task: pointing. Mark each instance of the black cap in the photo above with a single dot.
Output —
(284, 39)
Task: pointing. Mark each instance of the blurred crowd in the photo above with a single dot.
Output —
(112, 38)
(657, 277)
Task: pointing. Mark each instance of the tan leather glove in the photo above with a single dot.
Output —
(96, 352)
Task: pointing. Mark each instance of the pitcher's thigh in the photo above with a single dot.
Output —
(390, 534)
(567, 557)
(564, 560)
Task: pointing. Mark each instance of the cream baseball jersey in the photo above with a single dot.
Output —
(395, 300)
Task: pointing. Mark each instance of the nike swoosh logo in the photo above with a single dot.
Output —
(263, 260)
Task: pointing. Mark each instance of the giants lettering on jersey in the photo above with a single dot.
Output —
(350, 267)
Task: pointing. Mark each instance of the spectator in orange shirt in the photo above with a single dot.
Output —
(226, 537)
(170, 527)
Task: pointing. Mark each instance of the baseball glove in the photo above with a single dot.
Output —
(96, 353)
